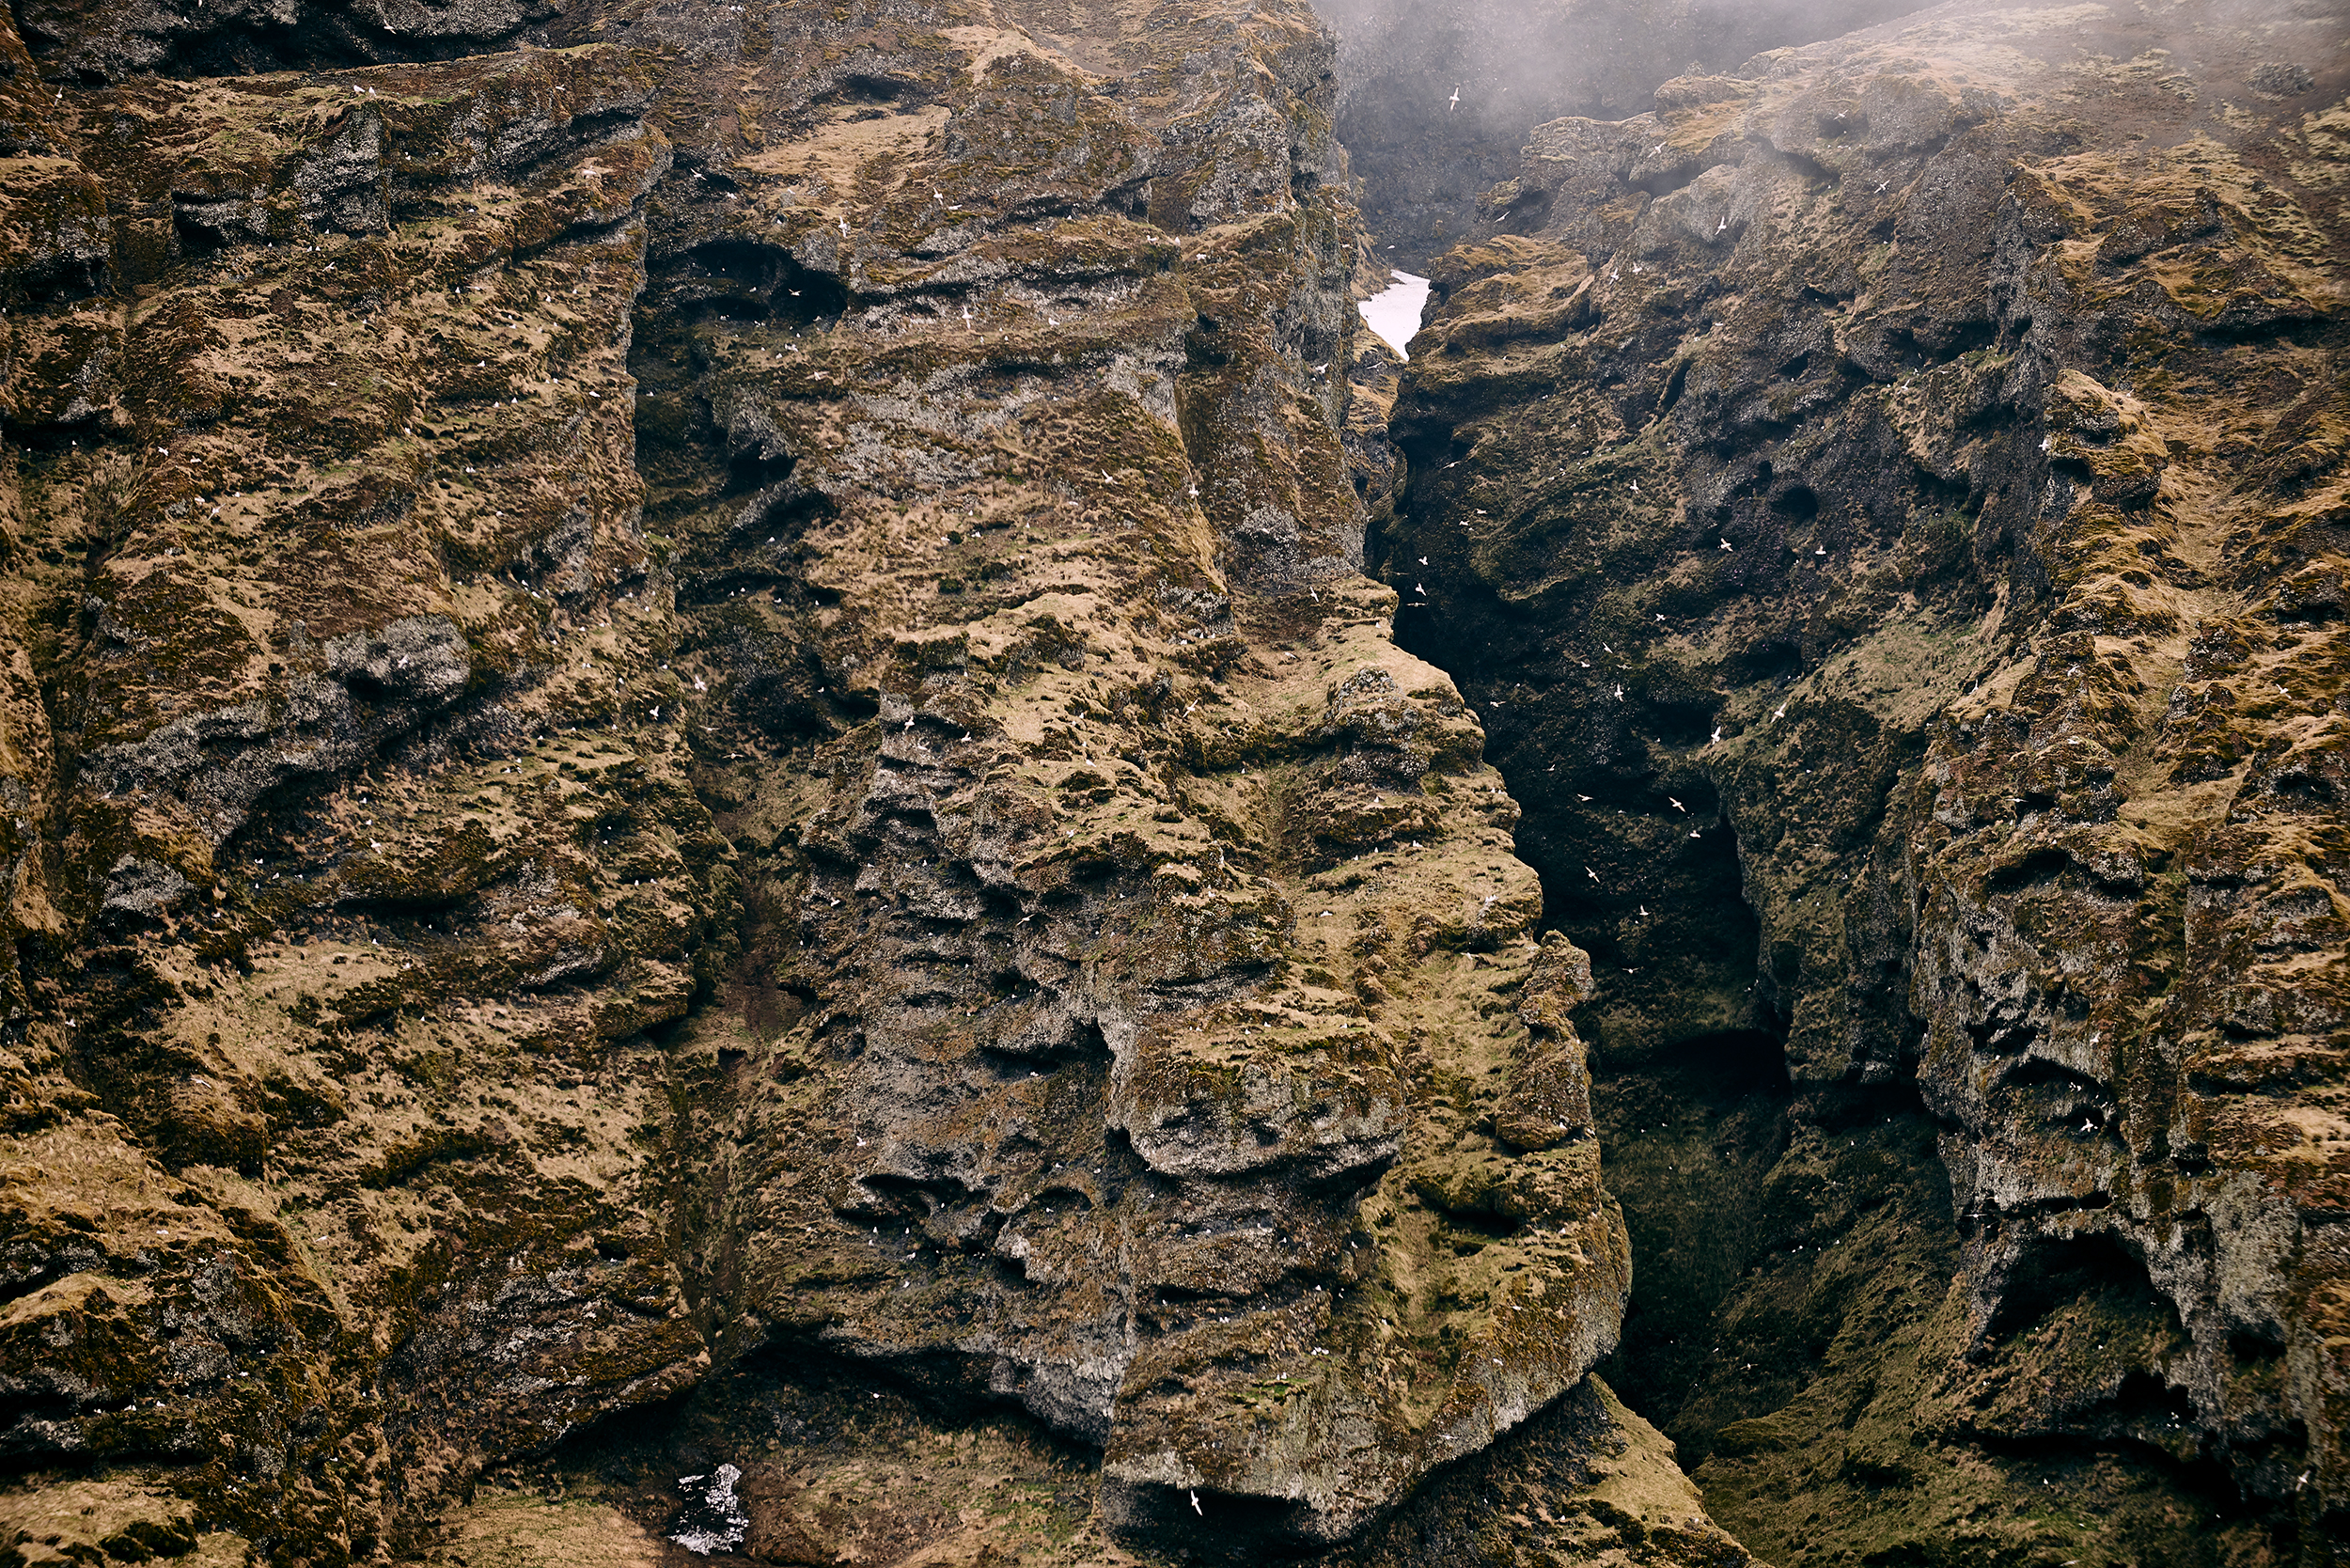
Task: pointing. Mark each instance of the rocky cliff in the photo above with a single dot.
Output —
(1437, 101)
(700, 782)
(714, 848)
(1887, 504)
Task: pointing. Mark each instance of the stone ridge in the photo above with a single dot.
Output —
(691, 730)
(1897, 490)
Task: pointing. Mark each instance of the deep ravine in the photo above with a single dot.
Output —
(765, 802)
(1843, 493)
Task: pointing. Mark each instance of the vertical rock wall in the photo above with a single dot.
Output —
(698, 775)
(1884, 502)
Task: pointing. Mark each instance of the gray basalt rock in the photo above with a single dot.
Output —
(141, 889)
(375, 687)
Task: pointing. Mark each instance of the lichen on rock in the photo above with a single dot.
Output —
(1864, 490)
(691, 710)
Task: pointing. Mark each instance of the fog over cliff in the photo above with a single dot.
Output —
(1514, 65)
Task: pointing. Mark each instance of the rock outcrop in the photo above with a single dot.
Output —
(694, 755)
(712, 846)
(1887, 504)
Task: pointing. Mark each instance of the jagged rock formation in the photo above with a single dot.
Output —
(1887, 504)
(697, 774)
(700, 782)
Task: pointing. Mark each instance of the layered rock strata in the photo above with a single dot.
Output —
(1887, 504)
(691, 727)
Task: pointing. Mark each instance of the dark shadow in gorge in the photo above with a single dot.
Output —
(1689, 1136)
(1639, 868)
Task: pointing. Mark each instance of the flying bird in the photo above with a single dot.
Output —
(1676, 804)
(1725, 544)
(1453, 104)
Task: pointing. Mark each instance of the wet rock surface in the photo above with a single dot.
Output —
(1879, 502)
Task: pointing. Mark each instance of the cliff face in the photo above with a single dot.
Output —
(713, 848)
(1887, 505)
(698, 779)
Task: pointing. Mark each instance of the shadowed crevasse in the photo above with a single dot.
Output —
(1873, 503)
(704, 799)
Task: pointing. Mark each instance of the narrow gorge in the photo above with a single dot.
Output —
(768, 800)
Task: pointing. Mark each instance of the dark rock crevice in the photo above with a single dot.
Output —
(1765, 458)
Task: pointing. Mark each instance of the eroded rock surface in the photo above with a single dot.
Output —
(692, 738)
(713, 847)
(1887, 504)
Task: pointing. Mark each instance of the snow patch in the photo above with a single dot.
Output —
(1394, 313)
